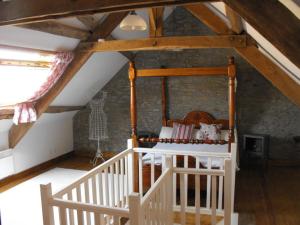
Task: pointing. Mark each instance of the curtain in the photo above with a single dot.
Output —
(25, 111)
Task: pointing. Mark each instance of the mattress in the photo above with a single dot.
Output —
(216, 162)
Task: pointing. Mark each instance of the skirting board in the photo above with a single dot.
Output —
(36, 169)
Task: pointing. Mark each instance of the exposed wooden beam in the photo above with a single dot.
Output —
(104, 29)
(235, 20)
(89, 21)
(129, 55)
(167, 43)
(9, 112)
(274, 21)
(202, 71)
(156, 21)
(10, 62)
(279, 78)
(209, 18)
(18, 12)
(56, 28)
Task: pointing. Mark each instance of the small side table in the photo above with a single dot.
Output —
(256, 146)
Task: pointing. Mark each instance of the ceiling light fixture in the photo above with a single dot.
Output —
(133, 22)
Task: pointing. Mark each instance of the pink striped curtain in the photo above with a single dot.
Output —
(25, 111)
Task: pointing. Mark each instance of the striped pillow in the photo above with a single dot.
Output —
(182, 131)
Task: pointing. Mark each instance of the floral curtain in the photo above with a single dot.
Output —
(25, 111)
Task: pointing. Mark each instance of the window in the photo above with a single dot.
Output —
(22, 73)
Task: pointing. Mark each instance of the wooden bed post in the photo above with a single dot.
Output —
(133, 117)
(231, 75)
(163, 101)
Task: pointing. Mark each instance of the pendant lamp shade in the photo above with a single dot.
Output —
(133, 22)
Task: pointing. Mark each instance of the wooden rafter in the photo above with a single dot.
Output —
(26, 63)
(16, 12)
(235, 20)
(89, 21)
(104, 29)
(56, 28)
(209, 18)
(8, 113)
(274, 21)
(277, 76)
(156, 21)
(166, 43)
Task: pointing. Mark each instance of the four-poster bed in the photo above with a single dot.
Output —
(195, 118)
(117, 189)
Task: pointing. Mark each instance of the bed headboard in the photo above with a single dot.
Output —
(195, 117)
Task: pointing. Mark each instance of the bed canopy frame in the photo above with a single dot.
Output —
(193, 117)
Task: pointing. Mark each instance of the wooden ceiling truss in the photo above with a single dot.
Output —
(38, 17)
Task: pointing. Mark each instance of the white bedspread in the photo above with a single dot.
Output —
(216, 162)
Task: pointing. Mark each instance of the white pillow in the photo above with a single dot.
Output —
(198, 134)
(225, 135)
(211, 131)
(166, 132)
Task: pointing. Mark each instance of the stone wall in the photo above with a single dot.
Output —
(261, 108)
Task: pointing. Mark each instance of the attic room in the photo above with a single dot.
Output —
(149, 112)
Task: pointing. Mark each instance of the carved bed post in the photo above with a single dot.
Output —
(163, 101)
(133, 117)
(231, 76)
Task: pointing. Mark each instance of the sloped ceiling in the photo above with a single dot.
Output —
(101, 67)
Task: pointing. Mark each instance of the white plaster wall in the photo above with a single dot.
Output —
(50, 137)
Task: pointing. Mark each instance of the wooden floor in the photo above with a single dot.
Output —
(268, 197)
(263, 197)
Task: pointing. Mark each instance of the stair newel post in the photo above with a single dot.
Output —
(231, 102)
(135, 209)
(133, 117)
(46, 195)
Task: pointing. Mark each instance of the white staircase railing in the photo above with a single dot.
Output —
(105, 196)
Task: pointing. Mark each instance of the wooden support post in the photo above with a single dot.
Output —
(46, 194)
(163, 101)
(231, 76)
(133, 117)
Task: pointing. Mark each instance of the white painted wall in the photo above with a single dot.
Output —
(50, 137)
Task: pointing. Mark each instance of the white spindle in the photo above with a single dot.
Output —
(214, 200)
(208, 187)
(107, 192)
(87, 200)
(122, 190)
(112, 185)
(116, 220)
(197, 193)
(127, 179)
(94, 192)
(141, 174)
(62, 216)
(174, 181)
(71, 211)
(78, 193)
(117, 183)
(152, 169)
(220, 196)
(186, 161)
(80, 217)
(100, 189)
(183, 199)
